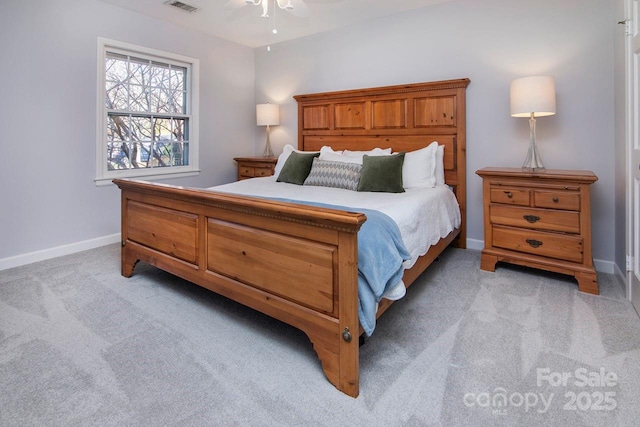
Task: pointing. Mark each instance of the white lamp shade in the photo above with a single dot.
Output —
(535, 95)
(267, 114)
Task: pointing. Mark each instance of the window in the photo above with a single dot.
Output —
(147, 113)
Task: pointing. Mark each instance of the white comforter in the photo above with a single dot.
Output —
(424, 215)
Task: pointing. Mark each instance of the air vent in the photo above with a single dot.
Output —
(182, 6)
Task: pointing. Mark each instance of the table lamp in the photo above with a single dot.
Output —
(533, 97)
(267, 115)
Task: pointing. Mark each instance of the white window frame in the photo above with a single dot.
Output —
(104, 176)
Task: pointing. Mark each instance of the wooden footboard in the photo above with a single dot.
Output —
(295, 263)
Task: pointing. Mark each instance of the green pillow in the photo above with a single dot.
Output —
(297, 167)
(382, 173)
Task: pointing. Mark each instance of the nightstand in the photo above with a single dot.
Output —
(252, 167)
(540, 220)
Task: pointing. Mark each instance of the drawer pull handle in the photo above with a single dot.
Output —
(534, 243)
(509, 194)
(555, 200)
(531, 218)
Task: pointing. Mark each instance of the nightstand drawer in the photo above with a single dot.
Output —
(540, 219)
(559, 246)
(251, 167)
(511, 196)
(557, 200)
(246, 171)
(257, 172)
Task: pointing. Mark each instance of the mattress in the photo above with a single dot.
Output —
(423, 215)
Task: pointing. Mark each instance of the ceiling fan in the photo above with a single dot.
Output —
(295, 7)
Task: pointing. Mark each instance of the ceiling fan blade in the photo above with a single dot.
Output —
(235, 4)
(300, 9)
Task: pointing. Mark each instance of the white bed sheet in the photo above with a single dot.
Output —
(423, 215)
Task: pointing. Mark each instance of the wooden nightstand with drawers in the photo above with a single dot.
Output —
(540, 220)
(252, 167)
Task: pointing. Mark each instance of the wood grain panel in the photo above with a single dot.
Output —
(296, 269)
(449, 152)
(316, 117)
(512, 196)
(166, 230)
(541, 219)
(350, 115)
(557, 199)
(389, 114)
(554, 245)
(434, 112)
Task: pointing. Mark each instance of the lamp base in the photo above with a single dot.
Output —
(268, 152)
(533, 162)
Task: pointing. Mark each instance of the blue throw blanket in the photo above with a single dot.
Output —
(381, 253)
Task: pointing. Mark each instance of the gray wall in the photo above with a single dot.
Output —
(48, 116)
(491, 42)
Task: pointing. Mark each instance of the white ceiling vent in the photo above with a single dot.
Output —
(182, 6)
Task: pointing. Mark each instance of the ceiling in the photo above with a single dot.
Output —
(244, 25)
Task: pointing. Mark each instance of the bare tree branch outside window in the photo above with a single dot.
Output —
(147, 118)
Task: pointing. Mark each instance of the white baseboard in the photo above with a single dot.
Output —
(28, 258)
(602, 266)
(478, 245)
(621, 274)
(624, 279)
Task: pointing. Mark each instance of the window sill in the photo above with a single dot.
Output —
(104, 181)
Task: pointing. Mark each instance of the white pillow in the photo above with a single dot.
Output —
(337, 157)
(419, 167)
(440, 165)
(327, 149)
(347, 156)
(282, 158)
(374, 152)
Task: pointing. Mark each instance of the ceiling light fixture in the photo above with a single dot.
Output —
(295, 7)
(265, 5)
(265, 14)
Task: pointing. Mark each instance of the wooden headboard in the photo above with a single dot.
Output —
(404, 117)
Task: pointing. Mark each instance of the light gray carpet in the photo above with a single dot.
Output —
(81, 345)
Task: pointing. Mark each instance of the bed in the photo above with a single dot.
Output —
(297, 262)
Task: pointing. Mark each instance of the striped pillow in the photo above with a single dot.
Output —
(325, 173)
